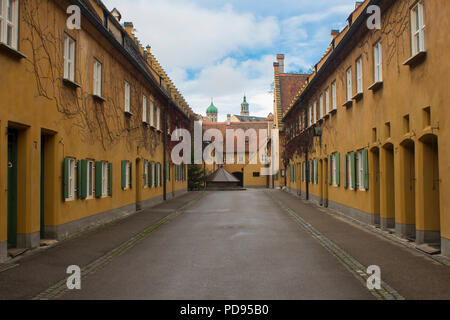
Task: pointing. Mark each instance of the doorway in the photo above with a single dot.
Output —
(240, 176)
(408, 183)
(387, 208)
(12, 188)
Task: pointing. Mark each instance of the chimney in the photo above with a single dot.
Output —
(358, 3)
(280, 59)
(228, 119)
(334, 33)
(129, 27)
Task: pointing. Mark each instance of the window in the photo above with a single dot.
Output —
(333, 96)
(69, 58)
(417, 28)
(327, 101)
(377, 60)
(144, 109)
(256, 174)
(350, 171)
(314, 112)
(310, 117)
(359, 80)
(360, 170)
(69, 190)
(333, 166)
(349, 84)
(152, 109)
(321, 106)
(146, 182)
(105, 182)
(9, 22)
(158, 118)
(126, 174)
(127, 97)
(90, 179)
(97, 78)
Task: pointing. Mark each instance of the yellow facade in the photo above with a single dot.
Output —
(393, 131)
(66, 120)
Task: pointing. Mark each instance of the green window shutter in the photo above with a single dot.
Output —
(98, 179)
(353, 169)
(156, 174)
(110, 179)
(345, 171)
(66, 177)
(124, 179)
(338, 168)
(82, 179)
(295, 172)
(316, 171)
(366, 168)
(160, 175)
(330, 171)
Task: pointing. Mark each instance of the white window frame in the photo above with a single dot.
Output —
(146, 182)
(321, 106)
(349, 171)
(378, 62)
(349, 83)
(144, 109)
(152, 114)
(359, 76)
(158, 118)
(127, 96)
(333, 96)
(69, 57)
(360, 171)
(310, 117)
(9, 23)
(97, 78)
(333, 166)
(90, 165)
(327, 100)
(417, 28)
(105, 179)
(71, 180)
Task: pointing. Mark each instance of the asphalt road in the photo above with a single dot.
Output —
(227, 245)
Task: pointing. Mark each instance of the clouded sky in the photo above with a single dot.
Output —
(225, 48)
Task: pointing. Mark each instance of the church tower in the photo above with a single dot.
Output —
(211, 112)
(244, 107)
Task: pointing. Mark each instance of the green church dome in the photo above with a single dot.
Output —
(245, 101)
(212, 108)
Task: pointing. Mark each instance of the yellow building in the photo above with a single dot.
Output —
(244, 165)
(367, 134)
(86, 116)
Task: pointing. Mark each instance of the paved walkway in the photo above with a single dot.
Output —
(254, 244)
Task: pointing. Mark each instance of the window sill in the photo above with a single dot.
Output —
(71, 83)
(98, 98)
(128, 113)
(348, 103)
(416, 59)
(12, 52)
(333, 111)
(327, 115)
(358, 96)
(376, 86)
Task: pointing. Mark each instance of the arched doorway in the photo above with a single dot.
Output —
(387, 187)
(375, 185)
(427, 203)
(240, 176)
(407, 225)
